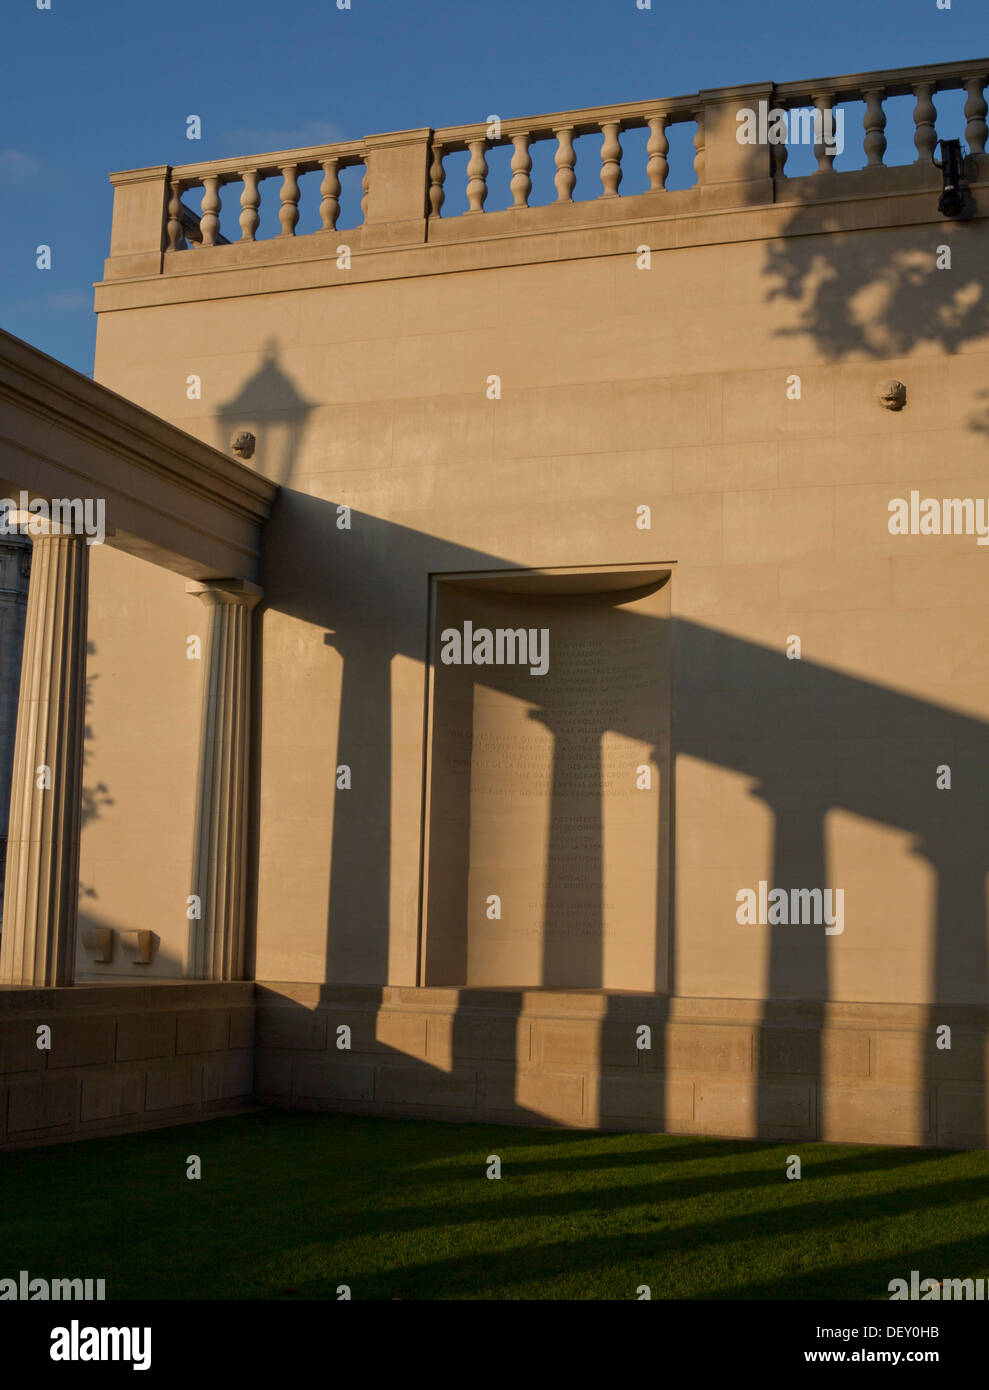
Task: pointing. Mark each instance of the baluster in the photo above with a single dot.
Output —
(288, 213)
(778, 155)
(209, 219)
(874, 122)
(477, 175)
(176, 236)
(365, 186)
(658, 148)
(825, 125)
(699, 147)
(924, 117)
(566, 157)
(521, 184)
(437, 178)
(975, 114)
(250, 201)
(329, 194)
(611, 158)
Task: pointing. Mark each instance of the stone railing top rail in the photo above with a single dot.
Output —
(271, 162)
(895, 81)
(892, 81)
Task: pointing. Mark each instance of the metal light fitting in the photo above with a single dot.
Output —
(952, 200)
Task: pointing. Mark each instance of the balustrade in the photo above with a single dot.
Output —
(435, 147)
(184, 226)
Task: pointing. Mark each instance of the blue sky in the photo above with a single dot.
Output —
(91, 86)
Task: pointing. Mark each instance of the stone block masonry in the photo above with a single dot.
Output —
(121, 1058)
(127, 1058)
(586, 1059)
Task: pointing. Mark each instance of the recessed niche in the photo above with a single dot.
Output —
(547, 861)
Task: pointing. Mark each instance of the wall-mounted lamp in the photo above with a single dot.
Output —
(952, 200)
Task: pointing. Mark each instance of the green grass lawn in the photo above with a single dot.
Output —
(290, 1205)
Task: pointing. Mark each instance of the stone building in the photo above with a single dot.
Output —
(523, 679)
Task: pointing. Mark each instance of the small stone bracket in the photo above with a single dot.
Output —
(98, 943)
(139, 946)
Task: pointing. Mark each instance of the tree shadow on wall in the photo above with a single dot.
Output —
(94, 798)
(980, 420)
(880, 294)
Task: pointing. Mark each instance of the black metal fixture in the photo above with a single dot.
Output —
(952, 200)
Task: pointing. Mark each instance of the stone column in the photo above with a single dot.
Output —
(42, 882)
(15, 567)
(220, 868)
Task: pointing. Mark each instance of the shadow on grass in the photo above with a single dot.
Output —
(293, 1205)
(870, 1279)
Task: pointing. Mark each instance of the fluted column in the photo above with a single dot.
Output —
(42, 884)
(220, 868)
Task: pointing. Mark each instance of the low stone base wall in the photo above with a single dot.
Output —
(869, 1073)
(122, 1057)
(129, 1057)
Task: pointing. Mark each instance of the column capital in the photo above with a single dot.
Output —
(235, 591)
(40, 527)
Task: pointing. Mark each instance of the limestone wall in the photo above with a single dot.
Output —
(619, 387)
(525, 393)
